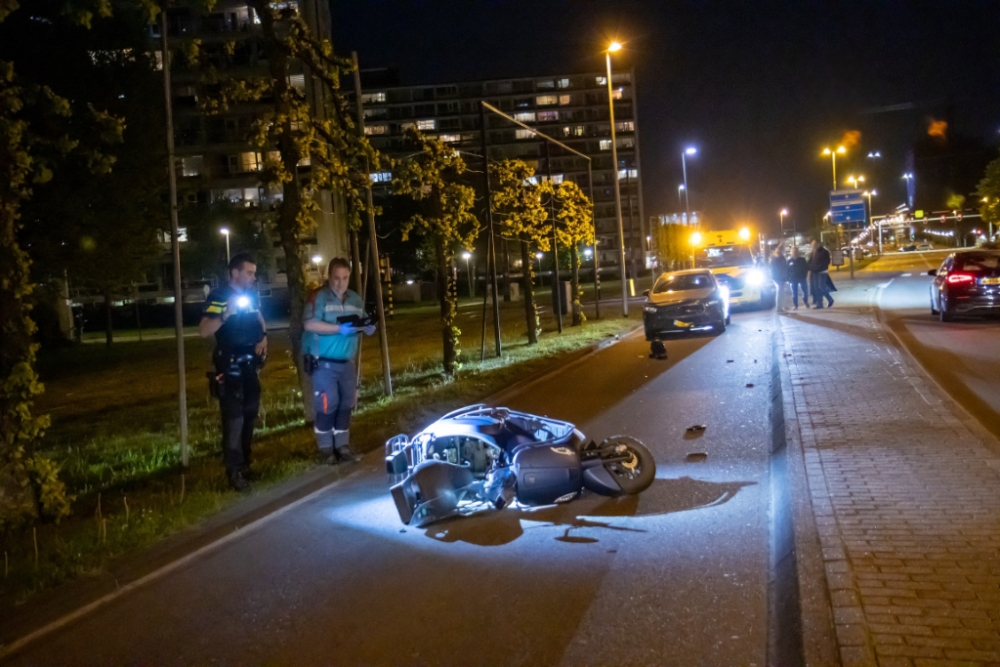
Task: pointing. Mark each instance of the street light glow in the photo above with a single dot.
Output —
(784, 211)
(317, 259)
(224, 231)
(538, 255)
(745, 233)
(680, 187)
(696, 238)
(691, 150)
(614, 46)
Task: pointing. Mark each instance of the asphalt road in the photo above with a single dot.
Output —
(676, 576)
(963, 356)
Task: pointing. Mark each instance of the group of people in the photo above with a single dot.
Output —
(332, 323)
(808, 275)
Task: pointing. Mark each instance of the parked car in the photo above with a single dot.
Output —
(925, 246)
(688, 300)
(967, 283)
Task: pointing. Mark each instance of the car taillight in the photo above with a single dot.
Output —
(960, 278)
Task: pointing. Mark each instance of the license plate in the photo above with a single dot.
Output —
(990, 281)
(683, 325)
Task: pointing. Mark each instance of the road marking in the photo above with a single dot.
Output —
(907, 275)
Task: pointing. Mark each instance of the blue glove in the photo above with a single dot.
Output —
(347, 329)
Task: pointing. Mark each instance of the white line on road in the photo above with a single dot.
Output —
(907, 275)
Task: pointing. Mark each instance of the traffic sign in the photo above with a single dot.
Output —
(847, 206)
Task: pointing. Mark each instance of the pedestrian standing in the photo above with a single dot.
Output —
(819, 277)
(798, 270)
(232, 314)
(332, 348)
(779, 274)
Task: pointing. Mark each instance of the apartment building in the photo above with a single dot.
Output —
(215, 161)
(573, 108)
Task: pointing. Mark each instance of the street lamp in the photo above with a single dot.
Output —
(855, 181)
(613, 48)
(781, 222)
(687, 202)
(908, 177)
(833, 158)
(680, 194)
(467, 256)
(871, 217)
(317, 260)
(225, 231)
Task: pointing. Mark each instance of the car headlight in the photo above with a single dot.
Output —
(650, 309)
(755, 278)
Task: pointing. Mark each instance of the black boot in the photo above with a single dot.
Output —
(346, 454)
(238, 481)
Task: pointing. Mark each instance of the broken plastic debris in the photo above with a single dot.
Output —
(697, 427)
(696, 457)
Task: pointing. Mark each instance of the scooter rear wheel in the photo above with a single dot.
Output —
(636, 473)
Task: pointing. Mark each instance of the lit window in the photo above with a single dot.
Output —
(565, 99)
(626, 142)
(601, 80)
(525, 116)
(557, 178)
(563, 83)
(616, 93)
(381, 176)
(244, 162)
(546, 84)
(192, 165)
(605, 144)
(627, 126)
(524, 134)
(305, 162)
(630, 173)
(548, 116)
(376, 129)
(546, 100)
(567, 131)
(425, 124)
(450, 138)
(297, 81)
(374, 113)
(372, 97)
(579, 130)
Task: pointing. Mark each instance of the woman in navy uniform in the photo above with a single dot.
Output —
(232, 314)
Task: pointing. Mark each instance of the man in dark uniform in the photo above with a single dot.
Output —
(232, 314)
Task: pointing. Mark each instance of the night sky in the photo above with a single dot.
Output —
(760, 88)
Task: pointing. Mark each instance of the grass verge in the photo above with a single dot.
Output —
(114, 429)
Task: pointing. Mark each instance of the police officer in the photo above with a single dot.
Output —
(232, 314)
(333, 346)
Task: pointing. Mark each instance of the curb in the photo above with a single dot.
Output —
(815, 610)
(80, 597)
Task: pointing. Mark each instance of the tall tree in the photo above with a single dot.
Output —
(520, 205)
(306, 147)
(432, 177)
(39, 130)
(988, 193)
(575, 227)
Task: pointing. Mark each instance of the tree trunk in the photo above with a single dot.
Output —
(292, 205)
(109, 336)
(530, 312)
(446, 300)
(506, 272)
(574, 282)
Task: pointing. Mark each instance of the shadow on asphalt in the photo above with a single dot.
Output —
(490, 528)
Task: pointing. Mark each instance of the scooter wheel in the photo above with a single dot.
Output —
(636, 473)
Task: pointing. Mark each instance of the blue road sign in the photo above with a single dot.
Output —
(847, 206)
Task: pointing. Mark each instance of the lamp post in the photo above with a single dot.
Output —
(538, 256)
(908, 177)
(317, 260)
(612, 48)
(855, 181)
(467, 256)
(225, 232)
(680, 194)
(833, 158)
(684, 170)
(781, 222)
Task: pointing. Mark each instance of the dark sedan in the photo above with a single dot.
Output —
(968, 283)
(685, 301)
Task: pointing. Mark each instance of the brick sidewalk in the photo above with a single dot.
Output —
(904, 490)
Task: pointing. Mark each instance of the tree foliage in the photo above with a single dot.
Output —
(36, 136)
(519, 203)
(446, 221)
(574, 228)
(988, 193)
(305, 148)
(673, 249)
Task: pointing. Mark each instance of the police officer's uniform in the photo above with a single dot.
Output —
(335, 376)
(236, 367)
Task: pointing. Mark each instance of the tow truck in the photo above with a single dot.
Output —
(730, 255)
